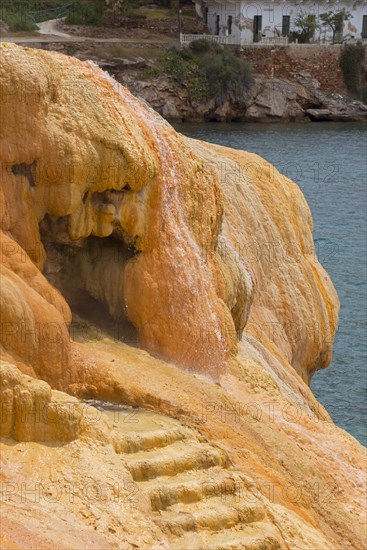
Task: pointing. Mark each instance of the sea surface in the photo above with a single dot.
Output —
(329, 162)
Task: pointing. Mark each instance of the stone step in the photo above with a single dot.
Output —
(176, 458)
(254, 536)
(214, 514)
(192, 486)
(145, 441)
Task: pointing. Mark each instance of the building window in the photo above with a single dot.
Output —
(257, 28)
(364, 27)
(286, 23)
(229, 24)
(217, 25)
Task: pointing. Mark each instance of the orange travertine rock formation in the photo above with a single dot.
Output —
(207, 254)
(218, 236)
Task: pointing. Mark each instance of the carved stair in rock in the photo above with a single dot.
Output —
(197, 499)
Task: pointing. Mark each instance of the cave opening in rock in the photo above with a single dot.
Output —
(89, 273)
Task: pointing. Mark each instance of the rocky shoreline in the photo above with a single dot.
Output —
(269, 100)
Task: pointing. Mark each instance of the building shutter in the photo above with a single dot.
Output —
(286, 23)
(364, 27)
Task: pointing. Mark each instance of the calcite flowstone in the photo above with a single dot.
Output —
(220, 240)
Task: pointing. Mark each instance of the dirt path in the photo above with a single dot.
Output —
(49, 32)
(44, 39)
(50, 28)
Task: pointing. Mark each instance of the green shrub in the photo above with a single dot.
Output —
(363, 93)
(188, 13)
(208, 71)
(225, 73)
(201, 46)
(151, 72)
(180, 64)
(296, 36)
(20, 14)
(18, 22)
(351, 64)
(199, 88)
(136, 15)
(86, 13)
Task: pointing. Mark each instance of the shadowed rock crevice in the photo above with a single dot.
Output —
(26, 170)
(90, 272)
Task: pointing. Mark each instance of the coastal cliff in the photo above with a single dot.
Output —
(201, 259)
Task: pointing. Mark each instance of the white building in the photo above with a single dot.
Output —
(244, 21)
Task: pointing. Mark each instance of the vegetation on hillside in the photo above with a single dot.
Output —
(17, 21)
(87, 13)
(21, 15)
(207, 70)
(352, 65)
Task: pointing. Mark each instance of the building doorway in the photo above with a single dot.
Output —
(206, 10)
(286, 24)
(229, 24)
(217, 25)
(257, 28)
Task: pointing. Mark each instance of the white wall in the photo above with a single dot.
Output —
(224, 10)
(272, 14)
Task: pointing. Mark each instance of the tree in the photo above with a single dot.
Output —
(335, 20)
(307, 23)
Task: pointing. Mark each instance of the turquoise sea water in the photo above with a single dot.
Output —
(329, 163)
